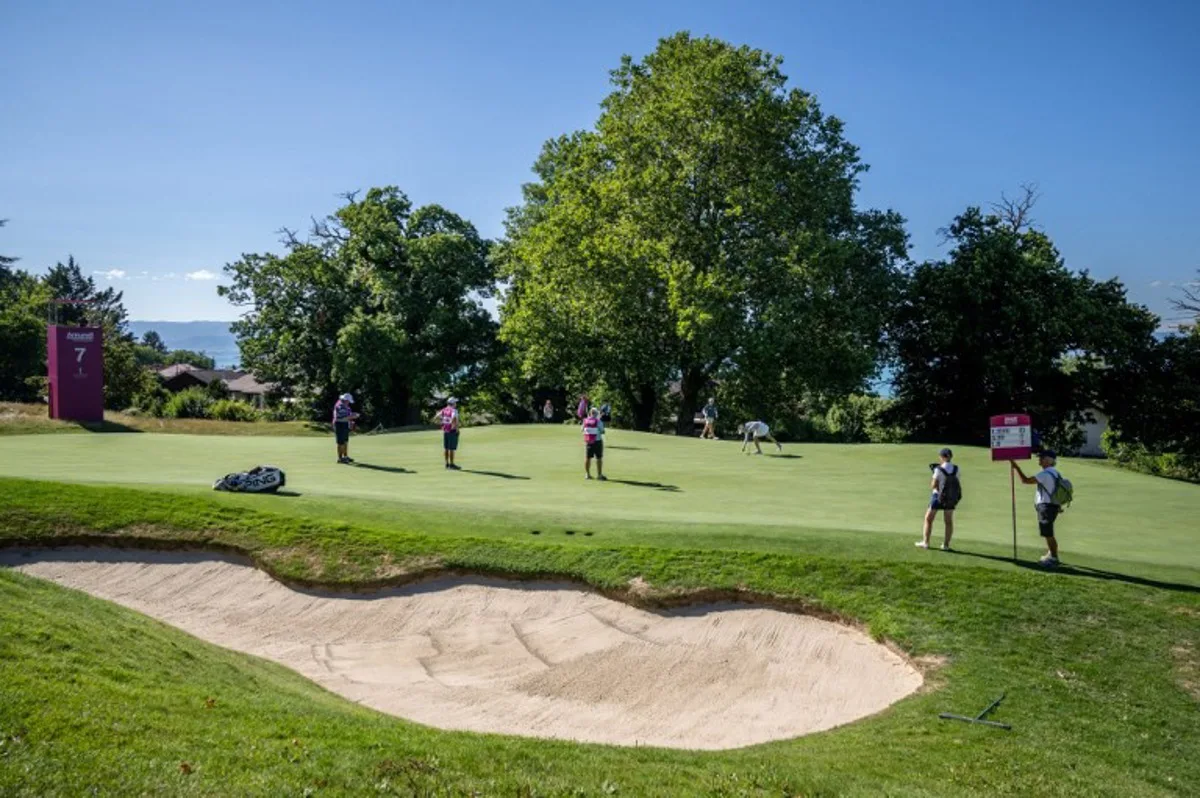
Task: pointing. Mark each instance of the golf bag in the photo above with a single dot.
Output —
(260, 479)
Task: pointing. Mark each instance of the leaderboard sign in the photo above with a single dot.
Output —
(1012, 437)
(75, 362)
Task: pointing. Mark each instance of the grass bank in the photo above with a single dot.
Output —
(1101, 674)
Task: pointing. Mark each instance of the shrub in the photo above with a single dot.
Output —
(1136, 457)
(286, 411)
(232, 410)
(217, 390)
(861, 419)
(152, 399)
(192, 403)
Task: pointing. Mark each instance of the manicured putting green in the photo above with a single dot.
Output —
(520, 477)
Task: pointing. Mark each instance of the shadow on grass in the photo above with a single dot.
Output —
(627, 448)
(787, 456)
(107, 426)
(1085, 571)
(388, 469)
(290, 494)
(499, 474)
(654, 485)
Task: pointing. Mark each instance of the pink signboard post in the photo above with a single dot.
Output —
(1012, 439)
(75, 365)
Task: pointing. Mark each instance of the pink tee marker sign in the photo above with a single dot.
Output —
(1012, 437)
(75, 361)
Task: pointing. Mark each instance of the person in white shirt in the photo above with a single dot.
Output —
(947, 490)
(756, 431)
(1046, 481)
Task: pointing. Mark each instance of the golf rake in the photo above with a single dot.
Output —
(980, 717)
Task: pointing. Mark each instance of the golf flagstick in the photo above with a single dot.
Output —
(980, 718)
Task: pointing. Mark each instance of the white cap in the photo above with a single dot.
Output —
(452, 400)
(347, 398)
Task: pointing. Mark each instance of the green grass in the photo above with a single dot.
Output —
(853, 501)
(1101, 667)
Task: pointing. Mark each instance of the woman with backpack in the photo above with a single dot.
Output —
(947, 493)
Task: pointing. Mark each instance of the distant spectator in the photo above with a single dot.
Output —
(710, 420)
(581, 412)
(606, 412)
(548, 411)
(343, 420)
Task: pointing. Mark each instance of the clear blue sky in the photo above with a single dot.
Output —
(159, 140)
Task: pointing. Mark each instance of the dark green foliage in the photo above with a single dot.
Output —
(706, 228)
(990, 331)
(381, 301)
(189, 403)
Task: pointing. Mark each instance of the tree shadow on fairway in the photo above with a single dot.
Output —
(499, 474)
(654, 485)
(388, 469)
(1085, 571)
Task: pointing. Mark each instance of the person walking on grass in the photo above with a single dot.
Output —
(593, 442)
(343, 420)
(710, 420)
(947, 492)
(756, 431)
(448, 418)
(1046, 500)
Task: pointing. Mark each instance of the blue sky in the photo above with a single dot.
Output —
(158, 141)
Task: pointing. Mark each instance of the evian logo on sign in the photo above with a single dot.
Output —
(1012, 420)
(81, 337)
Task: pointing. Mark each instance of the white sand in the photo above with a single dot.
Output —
(532, 659)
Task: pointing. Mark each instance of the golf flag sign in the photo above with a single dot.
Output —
(1012, 437)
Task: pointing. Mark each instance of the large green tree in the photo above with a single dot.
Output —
(1003, 326)
(380, 300)
(705, 228)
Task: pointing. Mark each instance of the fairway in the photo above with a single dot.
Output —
(864, 501)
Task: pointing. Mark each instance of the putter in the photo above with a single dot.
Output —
(980, 717)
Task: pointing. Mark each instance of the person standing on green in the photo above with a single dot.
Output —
(1047, 481)
(710, 420)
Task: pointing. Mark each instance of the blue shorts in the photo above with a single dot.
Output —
(935, 503)
(341, 431)
(450, 441)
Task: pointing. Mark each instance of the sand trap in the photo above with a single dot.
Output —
(532, 659)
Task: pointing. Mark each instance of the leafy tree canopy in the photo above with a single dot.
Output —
(705, 228)
(380, 300)
(1003, 326)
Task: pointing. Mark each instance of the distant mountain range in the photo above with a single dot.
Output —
(213, 338)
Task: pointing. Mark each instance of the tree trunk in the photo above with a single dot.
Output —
(643, 402)
(690, 386)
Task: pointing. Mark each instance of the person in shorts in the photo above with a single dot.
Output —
(710, 420)
(756, 431)
(1046, 481)
(943, 471)
(593, 441)
(343, 419)
(448, 418)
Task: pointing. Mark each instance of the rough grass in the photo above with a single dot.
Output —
(93, 697)
(32, 419)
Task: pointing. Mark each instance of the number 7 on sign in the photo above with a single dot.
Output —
(80, 351)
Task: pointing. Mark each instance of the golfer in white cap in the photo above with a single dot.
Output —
(756, 431)
(448, 418)
(343, 419)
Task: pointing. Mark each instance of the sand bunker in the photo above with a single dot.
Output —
(532, 659)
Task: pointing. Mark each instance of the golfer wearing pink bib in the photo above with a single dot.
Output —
(593, 441)
(448, 418)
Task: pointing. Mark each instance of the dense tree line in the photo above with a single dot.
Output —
(702, 238)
